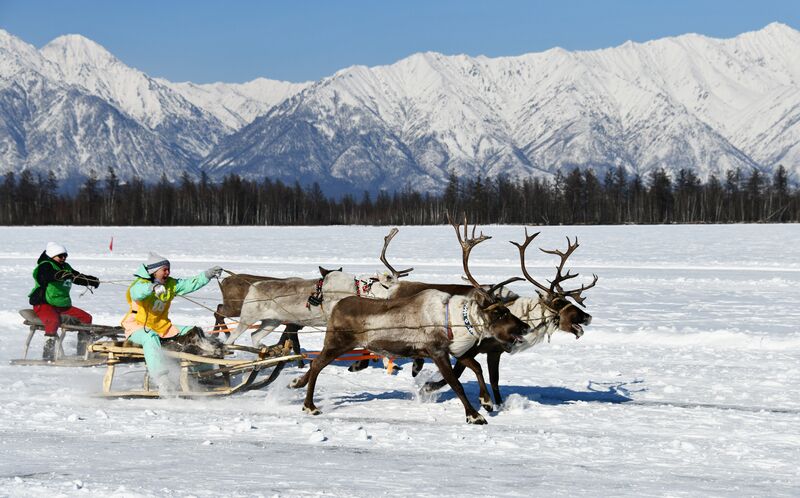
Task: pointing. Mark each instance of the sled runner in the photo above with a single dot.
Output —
(200, 376)
(86, 333)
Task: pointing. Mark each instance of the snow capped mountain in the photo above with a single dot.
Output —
(237, 104)
(86, 64)
(681, 102)
(48, 125)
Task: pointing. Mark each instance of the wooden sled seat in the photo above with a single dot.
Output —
(68, 324)
(200, 376)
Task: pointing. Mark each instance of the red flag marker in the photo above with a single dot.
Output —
(111, 245)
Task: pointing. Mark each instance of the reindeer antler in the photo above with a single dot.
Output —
(555, 288)
(555, 284)
(576, 294)
(467, 244)
(386, 240)
(522, 248)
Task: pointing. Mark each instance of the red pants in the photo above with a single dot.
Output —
(51, 316)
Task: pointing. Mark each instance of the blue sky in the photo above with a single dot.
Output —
(236, 41)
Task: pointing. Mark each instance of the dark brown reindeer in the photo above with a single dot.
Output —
(234, 289)
(426, 324)
(549, 312)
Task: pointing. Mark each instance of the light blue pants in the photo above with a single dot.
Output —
(151, 344)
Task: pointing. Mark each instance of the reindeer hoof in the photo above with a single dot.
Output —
(358, 365)
(313, 410)
(476, 419)
(487, 405)
(296, 383)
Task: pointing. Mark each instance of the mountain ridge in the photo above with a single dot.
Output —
(688, 101)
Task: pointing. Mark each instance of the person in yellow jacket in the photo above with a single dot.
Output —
(149, 298)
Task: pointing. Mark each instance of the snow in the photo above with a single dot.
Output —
(685, 384)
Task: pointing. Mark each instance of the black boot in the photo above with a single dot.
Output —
(83, 339)
(49, 351)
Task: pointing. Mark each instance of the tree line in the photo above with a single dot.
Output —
(575, 197)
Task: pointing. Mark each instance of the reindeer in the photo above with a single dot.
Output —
(431, 324)
(302, 302)
(234, 289)
(397, 288)
(551, 311)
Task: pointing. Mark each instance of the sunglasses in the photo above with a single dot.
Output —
(62, 256)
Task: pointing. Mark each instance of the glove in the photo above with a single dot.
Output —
(159, 290)
(87, 280)
(92, 281)
(213, 272)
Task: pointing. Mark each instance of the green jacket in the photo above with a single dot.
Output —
(52, 283)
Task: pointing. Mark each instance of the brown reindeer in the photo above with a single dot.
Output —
(551, 311)
(429, 324)
(303, 302)
(234, 289)
(406, 288)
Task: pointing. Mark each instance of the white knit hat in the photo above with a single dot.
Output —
(52, 250)
(155, 262)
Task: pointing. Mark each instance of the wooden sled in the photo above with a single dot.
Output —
(216, 371)
(68, 324)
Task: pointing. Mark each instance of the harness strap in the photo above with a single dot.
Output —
(315, 299)
(447, 319)
(362, 286)
(467, 323)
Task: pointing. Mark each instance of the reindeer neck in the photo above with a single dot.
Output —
(542, 319)
(465, 313)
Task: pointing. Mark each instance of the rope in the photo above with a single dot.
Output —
(316, 329)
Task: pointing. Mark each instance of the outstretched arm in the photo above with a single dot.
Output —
(85, 280)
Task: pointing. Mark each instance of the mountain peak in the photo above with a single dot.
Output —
(75, 49)
(778, 27)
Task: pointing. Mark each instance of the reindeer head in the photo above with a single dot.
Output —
(502, 324)
(570, 317)
(386, 280)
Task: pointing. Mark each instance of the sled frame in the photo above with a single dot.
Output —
(218, 368)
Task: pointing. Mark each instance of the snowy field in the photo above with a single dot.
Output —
(685, 384)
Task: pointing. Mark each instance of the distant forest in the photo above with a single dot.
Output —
(577, 197)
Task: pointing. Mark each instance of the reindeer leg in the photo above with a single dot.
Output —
(325, 357)
(417, 366)
(266, 328)
(443, 362)
(493, 360)
(458, 369)
(244, 324)
(219, 321)
(472, 364)
(290, 332)
(358, 365)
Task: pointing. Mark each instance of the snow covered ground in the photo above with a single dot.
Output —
(685, 384)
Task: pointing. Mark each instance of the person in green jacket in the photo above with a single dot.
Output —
(53, 278)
